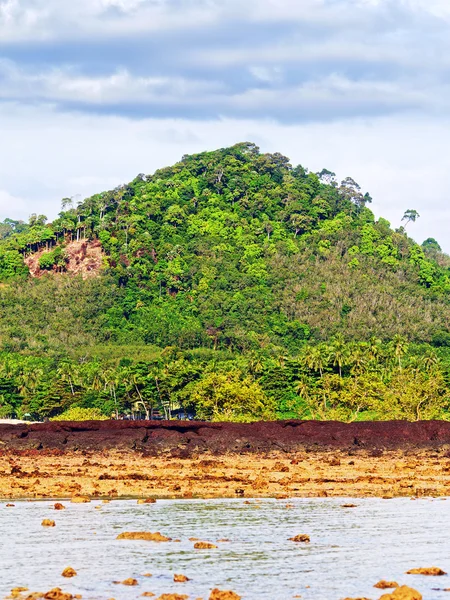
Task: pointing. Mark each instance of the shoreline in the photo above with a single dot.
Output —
(182, 459)
(116, 474)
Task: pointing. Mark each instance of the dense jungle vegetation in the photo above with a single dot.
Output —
(234, 286)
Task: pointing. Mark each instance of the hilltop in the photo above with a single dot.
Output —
(231, 283)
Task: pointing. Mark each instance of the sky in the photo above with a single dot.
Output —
(94, 92)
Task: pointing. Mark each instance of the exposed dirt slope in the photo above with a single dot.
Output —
(83, 257)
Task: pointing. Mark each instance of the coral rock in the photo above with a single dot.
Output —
(57, 594)
(384, 585)
(143, 535)
(426, 571)
(129, 581)
(403, 593)
(69, 572)
(180, 578)
(48, 523)
(300, 538)
(223, 595)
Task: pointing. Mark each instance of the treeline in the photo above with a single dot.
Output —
(233, 254)
(333, 380)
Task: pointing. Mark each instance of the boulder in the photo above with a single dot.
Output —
(69, 572)
(59, 506)
(204, 546)
(180, 578)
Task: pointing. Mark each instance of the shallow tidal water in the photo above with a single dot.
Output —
(350, 549)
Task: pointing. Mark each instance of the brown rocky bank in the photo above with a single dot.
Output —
(199, 459)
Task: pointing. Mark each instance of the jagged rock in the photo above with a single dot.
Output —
(180, 578)
(434, 571)
(59, 506)
(403, 593)
(143, 535)
(69, 572)
(223, 595)
(384, 585)
(48, 523)
(204, 546)
(300, 538)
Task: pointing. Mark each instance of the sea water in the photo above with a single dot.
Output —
(350, 548)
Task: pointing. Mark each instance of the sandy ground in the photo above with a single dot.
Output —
(115, 474)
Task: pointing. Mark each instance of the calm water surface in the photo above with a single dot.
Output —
(350, 549)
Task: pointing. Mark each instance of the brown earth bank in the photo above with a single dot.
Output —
(196, 459)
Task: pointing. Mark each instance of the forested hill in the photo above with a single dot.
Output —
(230, 268)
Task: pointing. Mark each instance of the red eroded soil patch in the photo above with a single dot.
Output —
(83, 258)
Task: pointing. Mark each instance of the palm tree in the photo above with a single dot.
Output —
(339, 353)
(429, 361)
(399, 347)
(314, 359)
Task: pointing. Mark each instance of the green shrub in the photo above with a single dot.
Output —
(76, 413)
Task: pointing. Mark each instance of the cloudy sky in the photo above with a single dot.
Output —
(93, 92)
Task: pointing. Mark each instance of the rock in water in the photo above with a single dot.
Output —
(69, 572)
(80, 499)
(223, 595)
(384, 585)
(148, 536)
(129, 581)
(204, 546)
(180, 578)
(48, 523)
(426, 571)
(300, 538)
(403, 593)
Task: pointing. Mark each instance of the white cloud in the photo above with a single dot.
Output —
(45, 155)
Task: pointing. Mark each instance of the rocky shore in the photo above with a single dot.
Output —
(197, 459)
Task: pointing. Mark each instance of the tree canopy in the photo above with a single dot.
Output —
(233, 284)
